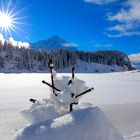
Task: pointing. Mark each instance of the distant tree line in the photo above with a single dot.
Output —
(29, 59)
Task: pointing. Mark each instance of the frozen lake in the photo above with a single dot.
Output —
(118, 94)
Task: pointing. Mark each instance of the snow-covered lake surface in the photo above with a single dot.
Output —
(118, 94)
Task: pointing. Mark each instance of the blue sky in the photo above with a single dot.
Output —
(89, 24)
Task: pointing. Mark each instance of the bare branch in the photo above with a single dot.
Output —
(53, 87)
(89, 90)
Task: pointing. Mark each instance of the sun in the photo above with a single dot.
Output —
(11, 21)
(8, 21)
(5, 21)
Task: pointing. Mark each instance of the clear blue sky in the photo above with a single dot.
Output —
(91, 24)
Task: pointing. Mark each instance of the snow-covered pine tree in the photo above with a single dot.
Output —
(29, 59)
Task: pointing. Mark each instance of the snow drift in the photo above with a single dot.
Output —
(55, 106)
(84, 124)
(52, 118)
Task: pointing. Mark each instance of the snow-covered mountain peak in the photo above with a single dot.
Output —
(52, 43)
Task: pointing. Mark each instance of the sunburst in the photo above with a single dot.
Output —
(5, 21)
(10, 20)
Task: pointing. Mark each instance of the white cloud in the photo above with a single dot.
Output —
(14, 43)
(2, 40)
(103, 45)
(100, 2)
(23, 44)
(70, 45)
(134, 58)
(128, 20)
(19, 44)
(131, 13)
(1, 36)
(26, 44)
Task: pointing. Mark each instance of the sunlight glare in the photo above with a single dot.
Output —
(5, 21)
(10, 19)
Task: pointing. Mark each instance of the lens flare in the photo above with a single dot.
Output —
(5, 21)
(10, 20)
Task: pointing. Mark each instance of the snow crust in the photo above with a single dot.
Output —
(84, 124)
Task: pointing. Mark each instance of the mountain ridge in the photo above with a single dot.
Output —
(52, 43)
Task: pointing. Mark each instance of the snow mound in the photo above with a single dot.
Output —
(88, 123)
(39, 111)
(55, 106)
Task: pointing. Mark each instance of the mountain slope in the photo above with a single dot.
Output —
(92, 67)
(54, 42)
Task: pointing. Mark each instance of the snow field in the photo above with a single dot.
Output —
(112, 90)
